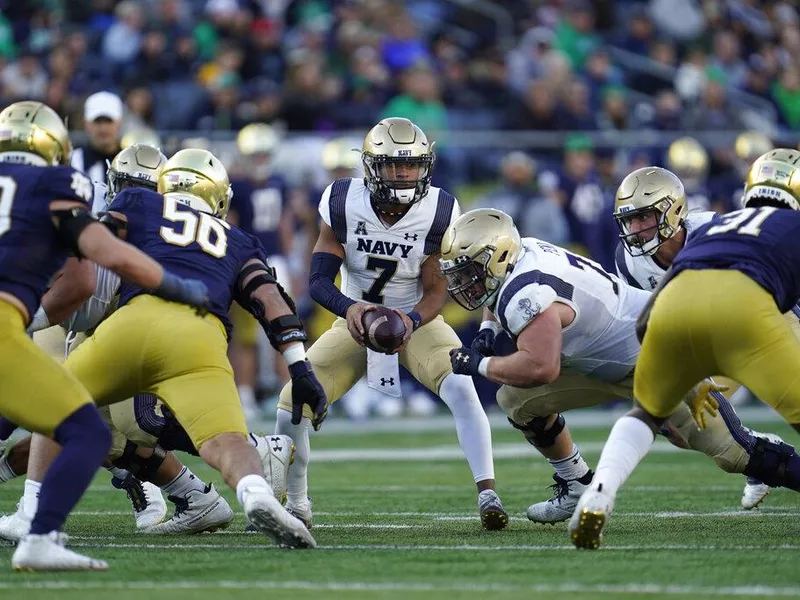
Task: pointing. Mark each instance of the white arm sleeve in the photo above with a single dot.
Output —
(325, 205)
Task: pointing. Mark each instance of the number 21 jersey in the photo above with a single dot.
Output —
(382, 264)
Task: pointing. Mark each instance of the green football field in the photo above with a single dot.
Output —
(395, 517)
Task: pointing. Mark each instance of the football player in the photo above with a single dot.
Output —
(384, 233)
(651, 212)
(44, 214)
(573, 325)
(730, 285)
(184, 360)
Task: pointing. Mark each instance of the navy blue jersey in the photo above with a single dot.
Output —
(187, 242)
(260, 208)
(30, 249)
(762, 243)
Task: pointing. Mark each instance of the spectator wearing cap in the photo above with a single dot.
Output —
(263, 56)
(24, 79)
(102, 119)
(518, 195)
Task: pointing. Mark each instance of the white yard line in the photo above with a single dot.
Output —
(478, 588)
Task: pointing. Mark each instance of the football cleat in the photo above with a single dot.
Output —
(198, 512)
(148, 503)
(755, 490)
(16, 526)
(565, 498)
(277, 453)
(493, 517)
(269, 517)
(46, 552)
(590, 517)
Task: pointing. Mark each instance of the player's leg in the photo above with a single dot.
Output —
(536, 413)
(244, 358)
(427, 358)
(56, 405)
(338, 362)
(672, 360)
(188, 368)
(14, 459)
(198, 506)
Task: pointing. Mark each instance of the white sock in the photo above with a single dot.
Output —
(250, 483)
(472, 425)
(119, 473)
(30, 497)
(628, 443)
(247, 396)
(6, 472)
(572, 467)
(297, 484)
(185, 482)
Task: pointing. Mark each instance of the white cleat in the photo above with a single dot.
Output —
(755, 490)
(267, 515)
(149, 507)
(277, 453)
(565, 498)
(590, 517)
(16, 526)
(47, 553)
(198, 512)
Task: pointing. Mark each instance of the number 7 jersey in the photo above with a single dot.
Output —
(601, 341)
(187, 242)
(382, 264)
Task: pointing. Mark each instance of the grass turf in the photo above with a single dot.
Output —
(396, 528)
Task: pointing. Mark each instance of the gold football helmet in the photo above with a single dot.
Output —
(689, 161)
(257, 143)
(31, 129)
(198, 174)
(398, 162)
(135, 166)
(341, 156)
(774, 180)
(479, 250)
(649, 191)
(148, 137)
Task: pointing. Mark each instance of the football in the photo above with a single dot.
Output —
(384, 329)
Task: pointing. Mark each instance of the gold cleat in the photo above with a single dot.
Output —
(589, 531)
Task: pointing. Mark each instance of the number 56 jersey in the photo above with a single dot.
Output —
(382, 264)
(187, 242)
(601, 341)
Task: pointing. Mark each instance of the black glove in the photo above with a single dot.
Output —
(484, 342)
(186, 291)
(465, 360)
(306, 389)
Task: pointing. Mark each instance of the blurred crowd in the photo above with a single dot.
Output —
(311, 76)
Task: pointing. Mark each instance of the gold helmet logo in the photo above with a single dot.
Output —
(32, 129)
(135, 166)
(398, 162)
(774, 180)
(649, 207)
(198, 174)
(479, 249)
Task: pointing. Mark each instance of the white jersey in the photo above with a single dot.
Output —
(601, 341)
(642, 271)
(382, 264)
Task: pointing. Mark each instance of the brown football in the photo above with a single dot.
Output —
(383, 329)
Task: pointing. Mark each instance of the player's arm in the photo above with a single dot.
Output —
(485, 338)
(80, 231)
(73, 286)
(259, 292)
(434, 296)
(325, 263)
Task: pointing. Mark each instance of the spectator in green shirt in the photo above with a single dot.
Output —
(575, 33)
(420, 101)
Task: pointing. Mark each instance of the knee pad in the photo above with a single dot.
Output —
(536, 432)
(776, 464)
(173, 436)
(144, 469)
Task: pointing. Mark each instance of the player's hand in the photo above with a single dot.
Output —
(701, 402)
(306, 389)
(186, 291)
(409, 330)
(465, 361)
(484, 340)
(354, 324)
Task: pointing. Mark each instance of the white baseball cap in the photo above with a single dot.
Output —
(102, 104)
